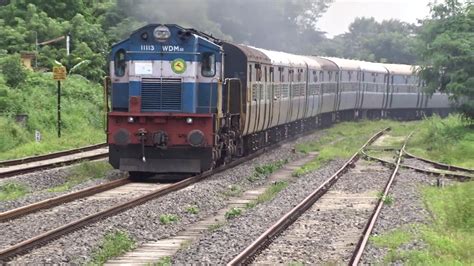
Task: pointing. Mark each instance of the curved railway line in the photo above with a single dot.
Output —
(249, 253)
(37, 163)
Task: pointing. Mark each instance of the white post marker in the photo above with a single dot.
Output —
(37, 136)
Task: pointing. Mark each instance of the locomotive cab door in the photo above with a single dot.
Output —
(232, 98)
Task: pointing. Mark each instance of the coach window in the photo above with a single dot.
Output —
(265, 69)
(258, 72)
(321, 76)
(250, 73)
(120, 63)
(208, 68)
(315, 76)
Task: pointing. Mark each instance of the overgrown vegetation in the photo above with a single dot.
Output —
(114, 244)
(344, 139)
(168, 218)
(449, 238)
(269, 193)
(263, 171)
(449, 140)
(387, 200)
(83, 172)
(232, 213)
(12, 191)
(36, 97)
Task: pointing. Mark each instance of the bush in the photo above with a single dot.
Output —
(13, 70)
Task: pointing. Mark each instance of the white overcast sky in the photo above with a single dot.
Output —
(342, 12)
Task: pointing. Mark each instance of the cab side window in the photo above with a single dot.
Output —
(120, 63)
(208, 64)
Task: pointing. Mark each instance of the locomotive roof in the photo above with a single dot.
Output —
(396, 69)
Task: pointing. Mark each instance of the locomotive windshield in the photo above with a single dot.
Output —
(208, 68)
(120, 63)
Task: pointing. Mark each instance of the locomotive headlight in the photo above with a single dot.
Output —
(161, 33)
(189, 120)
(131, 119)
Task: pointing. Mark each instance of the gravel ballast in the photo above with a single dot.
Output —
(38, 184)
(143, 223)
(220, 246)
(407, 209)
(328, 232)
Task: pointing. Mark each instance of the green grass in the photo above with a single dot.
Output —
(81, 173)
(168, 218)
(450, 236)
(263, 171)
(193, 209)
(233, 191)
(114, 244)
(388, 200)
(344, 139)
(449, 140)
(12, 191)
(232, 213)
(269, 193)
(165, 261)
(392, 240)
(81, 113)
(214, 227)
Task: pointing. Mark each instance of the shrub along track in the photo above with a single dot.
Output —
(26, 245)
(264, 240)
(53, 160)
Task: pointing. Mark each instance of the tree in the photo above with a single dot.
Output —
(447, 53)
(389, 41)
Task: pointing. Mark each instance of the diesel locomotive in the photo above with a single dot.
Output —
(183, 101)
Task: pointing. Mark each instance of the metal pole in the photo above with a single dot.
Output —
(59, 109)
(36, 49)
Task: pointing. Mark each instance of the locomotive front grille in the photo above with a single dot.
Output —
(161, 94)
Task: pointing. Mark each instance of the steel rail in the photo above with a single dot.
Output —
(51, 155)
(458, 176)
(36, 168)
(357, 255)
(438, 164)
(28, 244)
(52, 202)
(248, 254)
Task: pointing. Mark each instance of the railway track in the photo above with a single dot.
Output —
(438, 169)
(52, 202)
(43, 238)
(264, 240)
(53, 160)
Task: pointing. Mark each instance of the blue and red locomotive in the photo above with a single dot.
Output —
(184, 102)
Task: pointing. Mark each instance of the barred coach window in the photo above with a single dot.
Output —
(208, 68)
